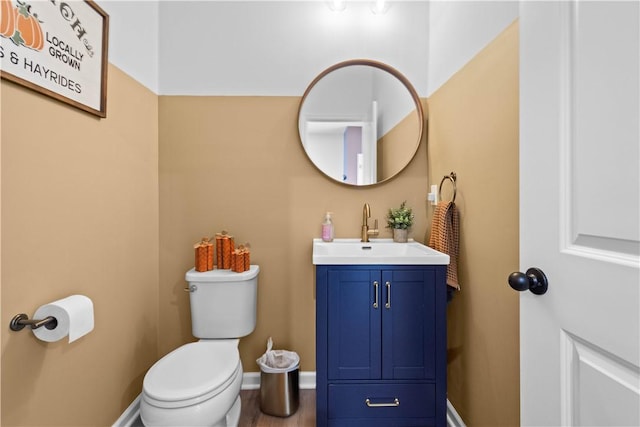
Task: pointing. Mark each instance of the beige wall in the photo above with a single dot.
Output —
(79, 215)
(236, 163)
(474, 131)
(396, 147)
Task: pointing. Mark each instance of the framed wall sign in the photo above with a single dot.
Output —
(58, 48)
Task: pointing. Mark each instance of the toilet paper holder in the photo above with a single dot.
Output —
(21, 320)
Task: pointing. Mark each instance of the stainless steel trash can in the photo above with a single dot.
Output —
(279, 393)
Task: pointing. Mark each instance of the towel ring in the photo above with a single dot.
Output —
(451, 177)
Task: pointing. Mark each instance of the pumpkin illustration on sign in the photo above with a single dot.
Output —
(28, 31)
(7, 19)
(21, 26)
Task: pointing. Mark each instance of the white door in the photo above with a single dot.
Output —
(579, 212)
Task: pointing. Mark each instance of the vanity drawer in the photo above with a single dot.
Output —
(384, 400)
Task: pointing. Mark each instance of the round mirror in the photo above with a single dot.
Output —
(360, 122)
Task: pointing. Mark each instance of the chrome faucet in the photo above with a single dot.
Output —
(366, 232)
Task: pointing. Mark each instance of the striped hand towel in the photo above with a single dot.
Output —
(445, 232)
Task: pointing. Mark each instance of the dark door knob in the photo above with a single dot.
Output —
(534, 280)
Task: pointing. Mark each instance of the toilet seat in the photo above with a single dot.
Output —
(192, 373)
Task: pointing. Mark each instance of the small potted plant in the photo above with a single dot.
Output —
(400, 220)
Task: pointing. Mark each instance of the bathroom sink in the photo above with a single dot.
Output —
(377, 251)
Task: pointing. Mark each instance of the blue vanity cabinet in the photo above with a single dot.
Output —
(381, 345)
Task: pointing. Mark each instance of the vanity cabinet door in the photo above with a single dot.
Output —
(408, 324)
(354, 324)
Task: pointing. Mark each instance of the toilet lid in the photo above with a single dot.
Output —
(193, 370)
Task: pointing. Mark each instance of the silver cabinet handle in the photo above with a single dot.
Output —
(395, 402)
(375, 290)
(388, 304)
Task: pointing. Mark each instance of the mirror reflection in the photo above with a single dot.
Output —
(360, 122)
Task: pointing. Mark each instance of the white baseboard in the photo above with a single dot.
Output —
(130, 415)
(453, 418)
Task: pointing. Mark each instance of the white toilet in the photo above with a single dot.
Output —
(198, 384)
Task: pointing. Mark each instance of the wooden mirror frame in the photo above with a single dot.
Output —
(393, 72)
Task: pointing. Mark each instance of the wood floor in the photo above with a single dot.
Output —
(251, 416)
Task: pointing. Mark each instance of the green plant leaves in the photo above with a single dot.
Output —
(401, 217)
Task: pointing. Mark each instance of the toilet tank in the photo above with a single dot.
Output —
(223, 303)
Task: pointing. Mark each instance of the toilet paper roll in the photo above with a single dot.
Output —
(74, 315)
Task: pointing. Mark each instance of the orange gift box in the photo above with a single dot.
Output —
(203, 255)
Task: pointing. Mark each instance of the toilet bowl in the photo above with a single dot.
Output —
(197, 384)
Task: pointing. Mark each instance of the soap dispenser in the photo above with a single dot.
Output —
(327, 228)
